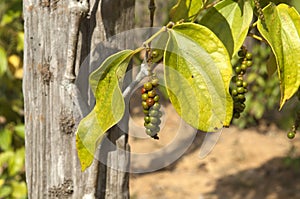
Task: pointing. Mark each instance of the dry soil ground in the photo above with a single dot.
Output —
(244, 164)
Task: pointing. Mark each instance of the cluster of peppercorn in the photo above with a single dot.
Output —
(151, 108)
(240, 86)
(259, 10)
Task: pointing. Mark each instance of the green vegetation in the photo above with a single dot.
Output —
(198, 47)
(12, 150)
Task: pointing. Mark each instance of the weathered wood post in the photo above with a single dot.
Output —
(51, 109)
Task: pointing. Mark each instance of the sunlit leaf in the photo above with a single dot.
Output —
(5, 139)
(17, 163)
(197, 75)
(109, 107)
(281, 29)
(5, 156)
(230, 21)
(19, 189)
(3, 61)
(20, 45)
(20, 130)
(14, 61)
(185, 9)
(5, 191)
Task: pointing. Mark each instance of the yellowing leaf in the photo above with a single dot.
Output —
(19, 73)
(230, 21)
(197, 75)
(185, 9)
(281, 29)
(15, 61)
(109, 108)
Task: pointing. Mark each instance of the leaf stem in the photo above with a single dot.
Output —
(211, 4)
(254, 36)
(163, 29)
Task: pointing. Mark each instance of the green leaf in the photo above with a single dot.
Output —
(19, 189)
(5, 157)
(271, 65)
(281, 29)
(109, 107)
(20, 130)
(16, 164)
(230, 21)
(20, 41)
(5, 191)
(5, 139)
(197, 74)
(185, 9)
(3, 61)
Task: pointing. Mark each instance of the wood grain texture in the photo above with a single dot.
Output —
(52, 114)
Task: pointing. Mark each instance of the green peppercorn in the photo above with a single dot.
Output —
(241, 97)
(248, 56)
(154, 53)
(144, 96)
(238, 69)
(236, 115)
(156, 130)
(151, 93)
(148, 86)
(153, 113)
(240, 90)
(151, 126)
(239, 83)
(234, 92)
(241, 53)
(244, 67)
(153, 120)
(249, 64)
(159, 114)
(146, 112)
(291, 135)
(156, 106)
(147, 119)
(145, 105)
(149, 132)
(156, 98)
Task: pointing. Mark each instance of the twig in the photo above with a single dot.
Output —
(151, 8)
(139, 77)
(77, 10)
(254, 36)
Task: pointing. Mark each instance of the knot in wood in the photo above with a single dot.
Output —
(66, 123)
(63, 190)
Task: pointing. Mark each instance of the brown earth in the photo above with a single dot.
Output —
(244, 164)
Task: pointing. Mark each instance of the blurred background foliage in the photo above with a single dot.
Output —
(262, 99)
(12, 151)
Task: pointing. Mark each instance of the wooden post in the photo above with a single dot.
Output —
(51, 114)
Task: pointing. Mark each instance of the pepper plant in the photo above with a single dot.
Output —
(196, 49)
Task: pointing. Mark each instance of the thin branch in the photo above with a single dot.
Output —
(139, 77)
(78, 9)
(211, 4)
(151, 8)
(254, 36)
